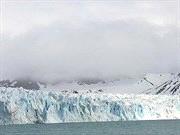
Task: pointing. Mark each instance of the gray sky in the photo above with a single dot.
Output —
(70, 40)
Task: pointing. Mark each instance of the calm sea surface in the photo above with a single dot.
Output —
(158, 127)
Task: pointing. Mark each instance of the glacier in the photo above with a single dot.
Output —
(21, 106)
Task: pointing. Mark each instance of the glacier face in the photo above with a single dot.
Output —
(20, 106)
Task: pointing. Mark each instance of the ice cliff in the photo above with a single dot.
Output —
(20, 106)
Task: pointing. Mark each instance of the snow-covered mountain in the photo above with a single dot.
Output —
(24, 83)
(162, 84)
(108, 86)
(149, 84)
(20, 106)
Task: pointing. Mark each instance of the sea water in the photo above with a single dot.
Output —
(152, 127)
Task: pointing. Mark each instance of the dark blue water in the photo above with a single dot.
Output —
(158, 127)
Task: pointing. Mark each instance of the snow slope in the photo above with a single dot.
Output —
(163, 84)
(114, 86)
(108, 86)
(156, 84)
(20, 106)
(149, 84)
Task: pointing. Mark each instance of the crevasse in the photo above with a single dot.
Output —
(20, 106)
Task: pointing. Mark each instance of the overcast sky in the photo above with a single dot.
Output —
(71, 40)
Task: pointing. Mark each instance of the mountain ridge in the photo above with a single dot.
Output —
(164, 83)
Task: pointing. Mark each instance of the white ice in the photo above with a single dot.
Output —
(19, 106)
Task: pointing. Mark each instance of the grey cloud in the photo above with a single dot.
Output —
(102, 50)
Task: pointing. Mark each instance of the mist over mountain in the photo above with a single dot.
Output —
(94, 40)
(24, 83)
